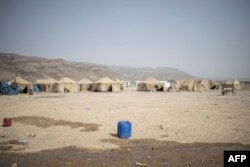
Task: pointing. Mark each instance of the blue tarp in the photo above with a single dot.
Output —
(8, 89)
(37, 88)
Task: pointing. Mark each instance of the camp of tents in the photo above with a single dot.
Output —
(20, 85)
(205, 84)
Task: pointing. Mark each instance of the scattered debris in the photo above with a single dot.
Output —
(161, 126)
(149, 157)
(202, 160)
(140, 164)
(23, 141)
(31, 135)
(189, 163)
(166, 135)
(14, 165)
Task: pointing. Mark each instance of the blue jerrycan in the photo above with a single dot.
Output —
(124, 129)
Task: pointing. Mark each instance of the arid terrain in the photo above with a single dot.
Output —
(32, 68)
(168, 128)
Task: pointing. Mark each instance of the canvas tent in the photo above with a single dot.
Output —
(187, 85)
(46, 84)
(105, 85)
(66, 85)
(120, 83)
(85, 84)
(210, 84)
(150, 84)
(23, 85)
(190, 85)
(235, 83)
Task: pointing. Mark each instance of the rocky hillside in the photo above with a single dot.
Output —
(32, 68)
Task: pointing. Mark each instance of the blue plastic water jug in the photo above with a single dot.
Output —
(124, 129)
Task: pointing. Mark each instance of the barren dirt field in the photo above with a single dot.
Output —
(168, 128)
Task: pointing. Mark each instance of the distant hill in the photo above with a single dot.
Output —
(32, 68)
(162, 73)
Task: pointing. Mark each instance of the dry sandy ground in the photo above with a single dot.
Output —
(50, 121)
(61, 124)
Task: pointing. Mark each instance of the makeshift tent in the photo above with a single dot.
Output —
(85, 85)
(46, 85)
(67, 85)
(8, 89)
(176, 86)
(120, 83)
(210, 84)
(105, 85)
(190, 85)
(150, 84)
(187, 85)
(166, 85)
(235, 83)
(23, 85)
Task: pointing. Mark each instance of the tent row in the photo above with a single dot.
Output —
(20, 85)
(205, 84)
(152, 84)
(106, 84)
(67, 85)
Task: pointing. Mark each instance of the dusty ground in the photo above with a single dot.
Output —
(88, 120)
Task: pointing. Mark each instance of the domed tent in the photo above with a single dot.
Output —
(150, 84)
(235, 83)
(66, 85)
(120, 83)
(23, 85)
(210, 84)
(105, 85)
(85, 84)
(46, 84)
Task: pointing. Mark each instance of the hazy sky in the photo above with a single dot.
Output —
(204, 38)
